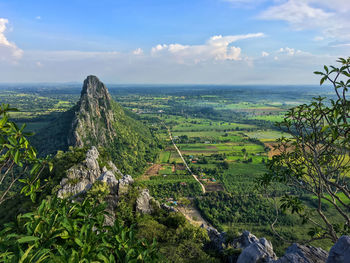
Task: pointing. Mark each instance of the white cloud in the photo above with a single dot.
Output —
(138, 51)
(341, 45)
(265, 54)
(38, 17)
(331, 18)
(8, 50)
(289, 51)
(298, 13)
(217, 48)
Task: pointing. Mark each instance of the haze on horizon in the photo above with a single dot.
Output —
(172, 42)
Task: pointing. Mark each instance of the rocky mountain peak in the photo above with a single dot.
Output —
(94, 89)
(94, 117)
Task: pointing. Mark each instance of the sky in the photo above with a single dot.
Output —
(171, 41)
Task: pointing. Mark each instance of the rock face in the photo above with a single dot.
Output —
(145, 202)
(340, 252)
(217, 239)
(94, 117)
(303, 254)
(123, 184)
(81, 177)
(255, 250)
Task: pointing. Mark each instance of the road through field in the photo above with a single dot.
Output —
(183, 160)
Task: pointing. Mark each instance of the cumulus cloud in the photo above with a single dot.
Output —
(265, 54)
(8, 50)
(217, 48)
(138, 51)
(331, 18)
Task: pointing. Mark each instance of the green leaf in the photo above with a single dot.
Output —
(16, 159)
(25, 255)
(324, 128)
(78, 242)
(27, 239)
(325, 68)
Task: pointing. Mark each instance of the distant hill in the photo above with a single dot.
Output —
(97, 120)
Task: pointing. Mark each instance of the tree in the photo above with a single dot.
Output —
(316, 157)
(18, 160)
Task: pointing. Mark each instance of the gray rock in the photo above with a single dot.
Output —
(109, 178)
(123, 184)
(340, 252)
(94, 104)
(168, 208)
(217, 239)
(255, 250)
(247, 239)
(144, 202)
(114, 169)
(80, 177)
(297, 253)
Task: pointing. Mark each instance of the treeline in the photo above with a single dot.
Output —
(222, 208)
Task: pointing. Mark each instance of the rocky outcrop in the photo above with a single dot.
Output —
(80, 177)
(340, 252)
(109, 178)
(217, 239)
(123, 184)
(94, 117)
(254, 249)
(145, 203)
(303, 254)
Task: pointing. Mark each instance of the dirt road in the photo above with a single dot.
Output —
(183, 160)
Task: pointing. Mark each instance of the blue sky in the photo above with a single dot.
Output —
(168, 41)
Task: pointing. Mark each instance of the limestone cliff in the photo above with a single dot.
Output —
(94, 117)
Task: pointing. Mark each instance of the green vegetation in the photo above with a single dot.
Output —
(18, 161)
(62, 231)
(316, 158)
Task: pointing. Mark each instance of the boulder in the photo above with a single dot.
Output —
(254, 249)
(144, 202)
(217, 239)
(297, 253)
(80, 177)
(123, 184)
(109, 178)
(340, 252)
